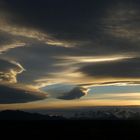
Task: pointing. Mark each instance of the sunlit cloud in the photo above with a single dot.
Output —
(33, 34)
(70, 75)
(9, 70)
(7, 47)
(67, 78)
(110, 82)
(94, 59)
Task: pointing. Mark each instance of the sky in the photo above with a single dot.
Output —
(67, 53)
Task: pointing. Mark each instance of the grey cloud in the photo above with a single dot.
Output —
(65, 91)
(100, 23)
(74, 20)
(128, 68)
(41, 15)
(57, 90)
(9, 42)
(75, 93)
(40, 60)
(4, 38)
(9, 95)
(105, 27)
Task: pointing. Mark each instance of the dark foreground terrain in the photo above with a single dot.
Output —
(64, 129)
(22, 125)
(21, 115)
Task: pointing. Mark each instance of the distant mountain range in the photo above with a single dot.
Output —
(116, 114)
(21, 115)
(112, 114)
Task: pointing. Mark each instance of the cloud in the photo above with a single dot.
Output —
(123, 82)
(7, 47)
(31, 34)
(75, 93)
(117, 20)
(9, 70)
(74, 42)
(88, 21)
(128, 68)
(10, 94)
(9, 42)
(77, 60)
(65, 91)
(41, 15)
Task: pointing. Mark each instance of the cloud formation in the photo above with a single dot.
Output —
(75, 93)
(9, 71)
(10, 94)
(65, 91)
(128, 68)
(73, 42)
(7, 47)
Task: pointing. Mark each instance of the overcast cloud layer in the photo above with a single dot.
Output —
(48, 42)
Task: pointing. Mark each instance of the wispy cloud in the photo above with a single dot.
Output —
(7, 47)
(9, 71)
(32, 34)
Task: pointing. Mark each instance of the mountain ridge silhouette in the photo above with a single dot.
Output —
(22, 115)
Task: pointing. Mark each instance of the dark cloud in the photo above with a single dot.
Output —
(57, 90)
(75, 93)
(129, 68)
(104, 27)
(9, 94)
(73, 20)
(51, 16)
(65, 91)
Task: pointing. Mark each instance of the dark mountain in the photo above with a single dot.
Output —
(21, 115)
(111, 114)
(102, 114)
(70, 128)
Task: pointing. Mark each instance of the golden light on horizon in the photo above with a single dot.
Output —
(60, 104)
